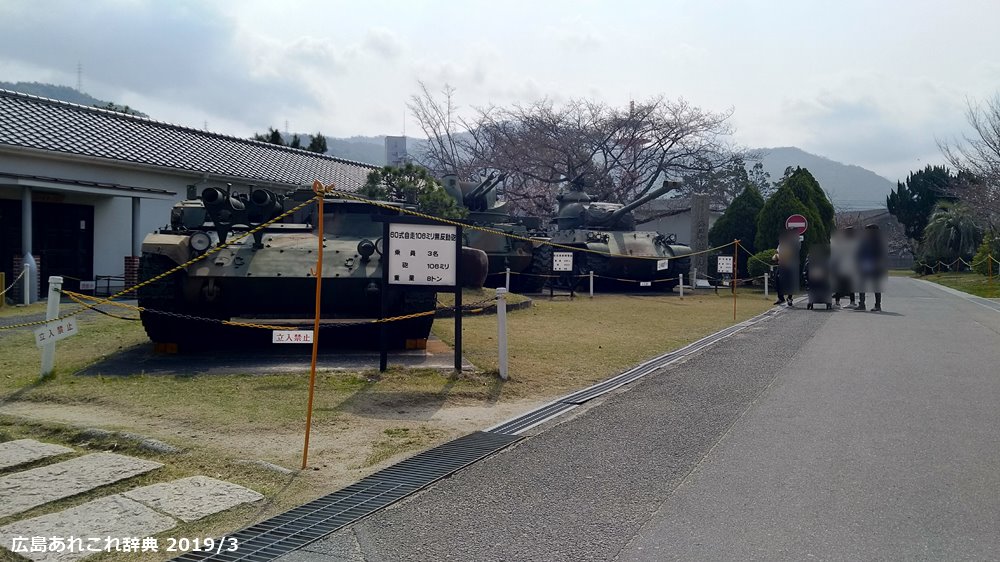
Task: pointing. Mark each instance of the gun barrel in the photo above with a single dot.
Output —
(265, 205)
(222, 207)
(667, 186)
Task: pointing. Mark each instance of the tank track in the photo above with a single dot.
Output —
(532, 282)
(165, 295)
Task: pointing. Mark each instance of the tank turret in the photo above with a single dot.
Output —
(617, 249)
(577, 210)
(502, 252)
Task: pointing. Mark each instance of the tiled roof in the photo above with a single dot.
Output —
(40, 123)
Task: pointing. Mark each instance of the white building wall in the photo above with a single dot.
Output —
(112, 215)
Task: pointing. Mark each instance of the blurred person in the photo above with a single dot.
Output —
(787, 274)
(871, 266)
(819, 287)
(842, 252)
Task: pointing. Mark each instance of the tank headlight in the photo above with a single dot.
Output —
(378, 246)
(366, 248)
(200, 241)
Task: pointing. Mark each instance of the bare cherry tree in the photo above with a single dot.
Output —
(621, 154)
(976, 157)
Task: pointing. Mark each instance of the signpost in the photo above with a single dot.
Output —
(562, 263)
(291, 336)
(424, 255)
(55, 331)
(798, 223)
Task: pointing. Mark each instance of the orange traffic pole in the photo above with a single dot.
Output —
(736, 272)
(318, 188)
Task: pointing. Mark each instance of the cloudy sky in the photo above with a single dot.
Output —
(872, 83)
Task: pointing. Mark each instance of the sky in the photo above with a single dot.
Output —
(871, 83)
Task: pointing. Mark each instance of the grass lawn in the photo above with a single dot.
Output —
(968, 281)
(362, 421)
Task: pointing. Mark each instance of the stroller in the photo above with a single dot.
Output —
(819, 285)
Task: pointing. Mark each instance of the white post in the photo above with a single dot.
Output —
(765, 284)
(591, 283)
(506, 282)
(502, 330)
(26, 283)
(694, 278)
(681, 284)
(51, 313)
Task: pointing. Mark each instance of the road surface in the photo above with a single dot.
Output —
(838, 436)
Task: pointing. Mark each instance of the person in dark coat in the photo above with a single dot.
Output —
(787, 274)
(871, 266)
(843, 249)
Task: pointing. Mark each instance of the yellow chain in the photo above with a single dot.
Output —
(353, 197)
(214, 250)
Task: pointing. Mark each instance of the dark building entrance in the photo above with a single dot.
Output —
(62, 235)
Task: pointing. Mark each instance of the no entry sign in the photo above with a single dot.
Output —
(798, 223)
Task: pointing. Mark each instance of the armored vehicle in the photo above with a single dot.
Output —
(269, 277)
(502, 252)
(620, 251)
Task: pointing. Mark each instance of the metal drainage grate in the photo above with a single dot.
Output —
(300, 526)
(524, 422)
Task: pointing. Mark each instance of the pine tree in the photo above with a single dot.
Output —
(317, 144)
(778, 207)
(739, 222)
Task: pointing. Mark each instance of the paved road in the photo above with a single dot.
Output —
(844, 435)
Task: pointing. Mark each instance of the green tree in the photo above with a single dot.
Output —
(296, 142)
(988, 255)
(412, 184)
(272, 136)
(739, 222)
(317, 144)
(807, 189)
(912, 203)
(778, 207)
(950, 234)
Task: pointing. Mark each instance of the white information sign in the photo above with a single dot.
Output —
(645, 283)
(562, 261)
(55, 331)
(88, 285)
(725, 264)
(662, 264)
(291, 336)
(422, 254)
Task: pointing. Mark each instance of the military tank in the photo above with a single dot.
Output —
(620, 251)
(501, 251)
(269, 277)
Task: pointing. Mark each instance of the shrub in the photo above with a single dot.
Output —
(989, 248)
(760, 263)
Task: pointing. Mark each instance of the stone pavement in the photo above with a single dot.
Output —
(22, 451)
(139, 512)
(24, 490)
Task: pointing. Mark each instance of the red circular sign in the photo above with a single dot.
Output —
(798, 223)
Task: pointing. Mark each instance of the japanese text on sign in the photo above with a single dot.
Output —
(725, 264)
(562, 261)
(291, 336)
(422, 254)
(55, 331)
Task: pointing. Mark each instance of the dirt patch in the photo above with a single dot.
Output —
(364, 439)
